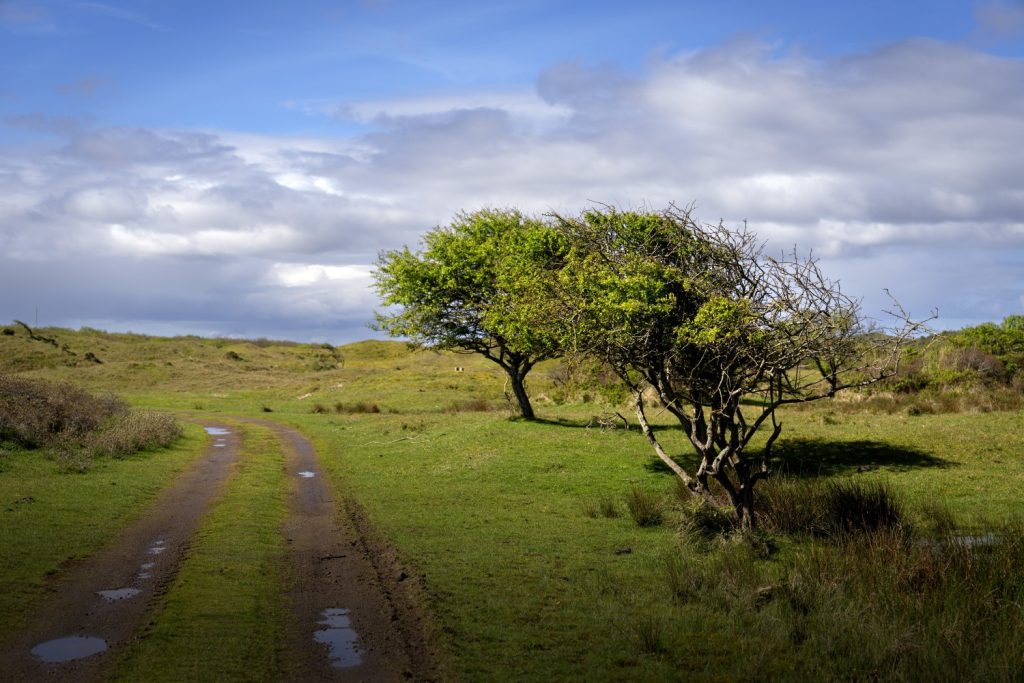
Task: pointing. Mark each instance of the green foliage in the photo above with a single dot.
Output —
(476, 285)
(481, 284)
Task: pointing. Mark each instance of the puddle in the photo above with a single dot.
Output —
(118, 594)
(340, 638)
(219, 445)
(68, 649)
(982, 541)
(216, 430)
(157, 548)
(306, 474)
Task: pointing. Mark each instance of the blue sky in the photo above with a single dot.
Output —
(234, 168)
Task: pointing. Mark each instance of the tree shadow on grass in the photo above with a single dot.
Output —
(819, 457)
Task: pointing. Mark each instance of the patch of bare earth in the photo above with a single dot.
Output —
(107, 597)
(356, 612)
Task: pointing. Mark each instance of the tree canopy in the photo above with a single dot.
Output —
(722, 333)
(477, 286)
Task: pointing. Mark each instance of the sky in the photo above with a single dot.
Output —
(235, 169)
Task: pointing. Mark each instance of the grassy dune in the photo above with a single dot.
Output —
(528, 578)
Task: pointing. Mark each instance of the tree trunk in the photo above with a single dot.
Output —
(744, 504)
(519, 391)
(645, 427)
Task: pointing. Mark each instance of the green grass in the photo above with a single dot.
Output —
(49, 518)
(223, 618)
(529, 579)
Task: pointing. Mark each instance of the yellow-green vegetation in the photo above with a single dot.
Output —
(222, 619)
(534, 565)
(50, 518)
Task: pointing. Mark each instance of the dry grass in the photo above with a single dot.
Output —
(75, 426)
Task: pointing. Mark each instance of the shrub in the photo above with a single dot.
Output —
(474, 405)
(854, 507)
(704, 521)
(132, 431)
(34, 412)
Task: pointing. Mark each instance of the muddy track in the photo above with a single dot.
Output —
(139, 567)
(355, 610)
(355, 613)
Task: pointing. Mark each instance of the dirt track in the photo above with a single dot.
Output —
(334, 568)
(76, 609)
(339, 575)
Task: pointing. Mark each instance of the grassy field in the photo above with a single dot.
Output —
(530, 580)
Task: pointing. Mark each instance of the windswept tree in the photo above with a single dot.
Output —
(477, 286)
(721, 332)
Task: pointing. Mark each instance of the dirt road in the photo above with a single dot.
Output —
(351, 617)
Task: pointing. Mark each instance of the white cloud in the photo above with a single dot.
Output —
(909, 149)
(306, 274)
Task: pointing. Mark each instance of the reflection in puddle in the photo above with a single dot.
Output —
(984, 540)
(340, 637)
(157, 548)
(306, 474)
(67, 649)
(119, 594)
(216, 430)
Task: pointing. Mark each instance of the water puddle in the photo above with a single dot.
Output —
(306, 474)
(217, 431)
(982, 541)
(340, 638)
(68, 649)
(118, 594)
(157, 548)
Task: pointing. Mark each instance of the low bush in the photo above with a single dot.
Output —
(75, 426)
(34, 413)
(361, 407)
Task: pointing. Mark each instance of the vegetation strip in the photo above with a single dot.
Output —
(222, 619)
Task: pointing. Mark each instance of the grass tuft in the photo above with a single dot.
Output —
(646, 508)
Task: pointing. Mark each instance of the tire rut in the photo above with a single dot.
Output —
(139, 566)
(337, 572)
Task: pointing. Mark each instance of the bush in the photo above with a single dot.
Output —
(75, 426)
(602, 507)
(704, 521)
(34, 413)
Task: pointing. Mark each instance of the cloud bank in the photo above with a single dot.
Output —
(900, 168)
